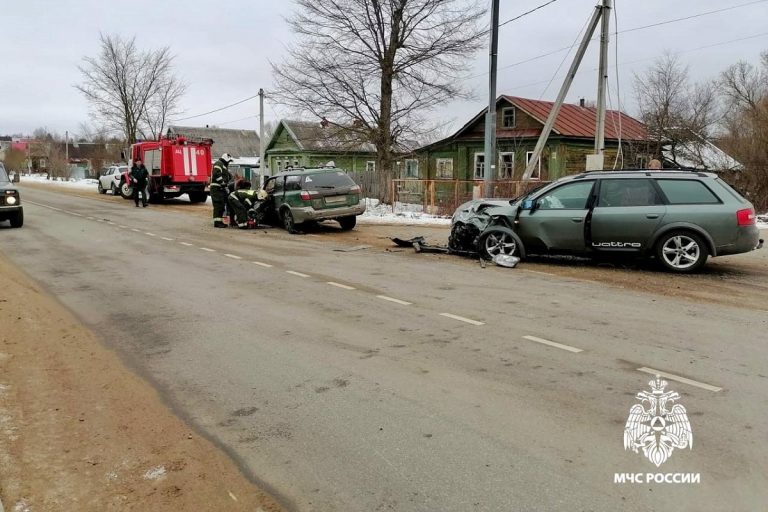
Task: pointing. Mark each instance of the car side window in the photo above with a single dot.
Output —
(571, 196)
(687, 192)
(292, 183)
(278, 185)
(628, 192)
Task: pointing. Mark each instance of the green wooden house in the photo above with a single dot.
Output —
(519, 124)
(314, 144)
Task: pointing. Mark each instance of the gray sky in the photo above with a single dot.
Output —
(223, 50)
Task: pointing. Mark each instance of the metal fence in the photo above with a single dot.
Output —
(442, 197)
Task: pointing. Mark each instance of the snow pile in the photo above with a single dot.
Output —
(155, 473)
(762, 221)
(86, 184)
(402, 213)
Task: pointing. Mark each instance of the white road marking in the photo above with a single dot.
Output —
(121, 226)
(149, 234)
(294, 273)
(186, 243)
(111, 223)
(261, 264)
(553, 344)
(99, 220)
(462, 319)
(206, 249)
(233, 256)
(167, 239)
(670, 376)
(339, 285)
(76, 214)
(392, 299)
(134, 229)
(90, 218)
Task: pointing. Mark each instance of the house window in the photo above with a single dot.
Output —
(506, 165)
(508, 117)
(295, 162)
(537, 171)
(445, 168)
(479, 166)
(279, 165)
(370, 166)
(411, 168)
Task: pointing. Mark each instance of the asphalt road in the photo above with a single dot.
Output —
(365, 381)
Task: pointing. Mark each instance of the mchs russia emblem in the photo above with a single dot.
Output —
(655, 426)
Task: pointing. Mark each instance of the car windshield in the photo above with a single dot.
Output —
(526, 194)
(3, 174)
(328, 180)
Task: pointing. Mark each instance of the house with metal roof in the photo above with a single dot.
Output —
(314, 144)
(238, 143)
(519, 122)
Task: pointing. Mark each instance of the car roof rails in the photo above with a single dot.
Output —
(647, 172)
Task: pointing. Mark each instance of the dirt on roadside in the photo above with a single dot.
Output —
(80, 432)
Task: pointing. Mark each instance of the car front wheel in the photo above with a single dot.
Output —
(681, 251)
(498, 241)
(18, 219)
(126, 190)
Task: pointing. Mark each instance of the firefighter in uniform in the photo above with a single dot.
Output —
(240, 201)
(139, 176)
(219, 182)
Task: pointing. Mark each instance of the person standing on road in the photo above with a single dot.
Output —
(219, 181)
(139, 177)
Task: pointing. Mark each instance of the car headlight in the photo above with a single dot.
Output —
(10, 200)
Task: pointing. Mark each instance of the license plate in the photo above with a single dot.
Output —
(336, 200)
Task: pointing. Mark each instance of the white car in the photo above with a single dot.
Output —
(110, 179)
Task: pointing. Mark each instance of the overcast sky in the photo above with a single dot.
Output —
(223, 50)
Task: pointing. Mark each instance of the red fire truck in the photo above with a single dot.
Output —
(176, 166)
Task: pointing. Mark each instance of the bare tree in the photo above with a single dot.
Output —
(377, 65)
(126, 86)
(745, 88)
(674, 110)
(162, 106)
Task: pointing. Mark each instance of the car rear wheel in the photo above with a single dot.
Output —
(114, 190)
(681, 251)
(496, 241)
(288, 222)
(18, 219)
(102, 190)
(347, 223)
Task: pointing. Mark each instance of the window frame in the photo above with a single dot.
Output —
(502, 154)
(537, 174)
(665, 197)
(438, 173)
(474, 167)
(504, 111)
(370, 166)
(661, 200)
(564, 185)
(412, 161)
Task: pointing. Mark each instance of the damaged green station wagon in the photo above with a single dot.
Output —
(679, 217)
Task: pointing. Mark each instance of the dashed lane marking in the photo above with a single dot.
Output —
(396, 301)
(186, 244)
(167, 239)
(262, 264)
(297, 274)
(207, 249)
(339, 285)
(136, 230)
(233, 256)
(684, 380)
(149, 234)
(553, 344)
(123, 227)
(462, 319)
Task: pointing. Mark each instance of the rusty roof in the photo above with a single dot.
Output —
(578, 121)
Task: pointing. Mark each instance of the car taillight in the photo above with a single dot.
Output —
(305, 196)
(355, 188)
(745, 217)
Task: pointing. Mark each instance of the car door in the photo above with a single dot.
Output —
(556, 223)
(626, 215)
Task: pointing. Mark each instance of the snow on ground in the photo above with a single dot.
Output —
(762, 221)
(86, 184)
(402, 213)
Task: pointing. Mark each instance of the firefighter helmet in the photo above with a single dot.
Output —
(227, 158)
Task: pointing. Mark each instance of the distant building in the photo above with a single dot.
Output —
(700, 154)
(238, 143)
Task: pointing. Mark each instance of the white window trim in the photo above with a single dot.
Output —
(501, 166)
(410, 175)
(536, 175)
(474, 167)
(439, 161)
(514, 117)
(372, 164)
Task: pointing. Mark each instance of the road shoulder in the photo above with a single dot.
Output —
(81, 432)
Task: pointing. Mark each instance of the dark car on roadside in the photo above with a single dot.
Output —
(10, 201)
(680, 218)
(303, 196)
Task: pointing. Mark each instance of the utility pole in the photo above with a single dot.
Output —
(602, 82)
(66, 145)
(262, 163)
(561, 95)
(489, 155)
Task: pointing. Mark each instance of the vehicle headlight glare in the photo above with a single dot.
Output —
(10, 200)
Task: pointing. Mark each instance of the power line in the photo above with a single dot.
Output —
(219, 109)
(527, 13)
